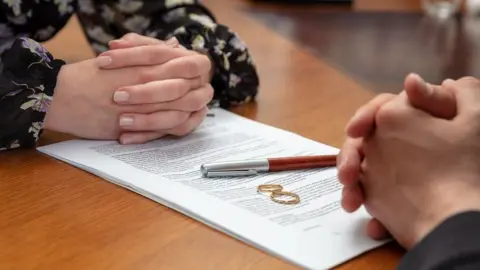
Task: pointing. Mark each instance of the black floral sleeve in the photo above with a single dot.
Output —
(28, 71)
(235, 79)
(28, 75)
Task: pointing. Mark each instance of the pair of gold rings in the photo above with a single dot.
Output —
(277, 192)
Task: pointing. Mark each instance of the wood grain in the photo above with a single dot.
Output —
(54, 216)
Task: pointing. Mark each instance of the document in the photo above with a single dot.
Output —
(314, 234)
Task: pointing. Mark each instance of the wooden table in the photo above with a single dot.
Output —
(54, 216)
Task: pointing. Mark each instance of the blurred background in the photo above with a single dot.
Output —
(379, 42)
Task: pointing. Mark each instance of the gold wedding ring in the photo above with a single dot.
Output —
(269, 188)
(295, 198)
(276, 192)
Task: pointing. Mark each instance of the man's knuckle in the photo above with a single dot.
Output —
(386, 115)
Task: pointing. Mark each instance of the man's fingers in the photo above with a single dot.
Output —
(139, 137)
(352, 198)
(156, 91)
(349, 161)
(363, 122)
(439, 102)
(376, 230)
(156, 121)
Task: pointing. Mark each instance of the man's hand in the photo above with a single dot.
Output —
(432, 99)
(420, 169)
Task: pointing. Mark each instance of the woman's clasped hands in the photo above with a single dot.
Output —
(139, 90)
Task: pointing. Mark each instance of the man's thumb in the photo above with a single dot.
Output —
(438, 101)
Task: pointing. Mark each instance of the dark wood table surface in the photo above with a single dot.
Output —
(317, 66)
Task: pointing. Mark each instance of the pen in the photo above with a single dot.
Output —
(253, 167)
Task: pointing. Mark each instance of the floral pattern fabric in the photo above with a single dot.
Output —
(28, 72)
(28, 78)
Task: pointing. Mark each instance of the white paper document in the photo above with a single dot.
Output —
(315, 234)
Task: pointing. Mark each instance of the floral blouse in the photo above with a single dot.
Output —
(28, 72)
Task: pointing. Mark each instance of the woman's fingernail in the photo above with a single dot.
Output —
(173, 42)
(104, 61)
(121, 96)
(126, 121)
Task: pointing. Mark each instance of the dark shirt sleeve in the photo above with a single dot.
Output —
(28, 76)
(453, 245)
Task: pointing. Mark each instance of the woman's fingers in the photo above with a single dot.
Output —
(191, 124)
(194, 100)
(186, 67)
(134, 40)
(139, 137)
(152, 122)
(193, 121)
(156, 91)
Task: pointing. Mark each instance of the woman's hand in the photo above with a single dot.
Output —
(84, 101)
(177, 94)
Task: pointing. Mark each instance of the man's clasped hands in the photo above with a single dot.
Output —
(412, 159)
(139, 90)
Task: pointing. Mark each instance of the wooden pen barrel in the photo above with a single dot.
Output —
(298, 163)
